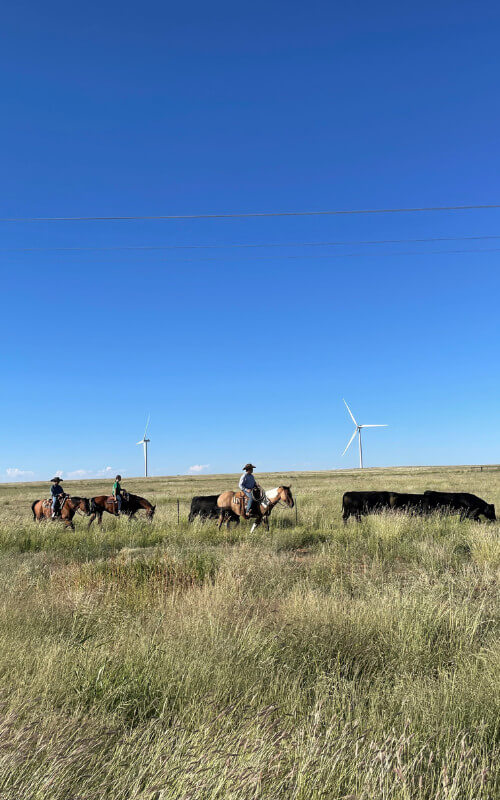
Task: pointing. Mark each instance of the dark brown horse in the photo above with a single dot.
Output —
(231, 503)
(130, 506)
(42, 509)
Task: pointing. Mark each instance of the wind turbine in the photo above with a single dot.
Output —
(358, 431)
(144, 443)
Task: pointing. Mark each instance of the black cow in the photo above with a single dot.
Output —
(411, 503)
(469, 506)
(205, 507)
(354, 504)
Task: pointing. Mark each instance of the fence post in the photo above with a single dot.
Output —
(178, 516)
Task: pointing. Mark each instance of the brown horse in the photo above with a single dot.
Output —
(130, 506)
(42, 509)
(235, 502)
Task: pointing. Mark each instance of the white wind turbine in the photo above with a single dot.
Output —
(144, 443)
(358, 431)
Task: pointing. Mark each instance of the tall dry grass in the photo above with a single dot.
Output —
(318, 661)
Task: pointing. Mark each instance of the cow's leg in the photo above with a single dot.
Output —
(221, 519)
(92, 518)
(99, 518)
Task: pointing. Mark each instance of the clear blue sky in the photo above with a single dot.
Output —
(246, 353)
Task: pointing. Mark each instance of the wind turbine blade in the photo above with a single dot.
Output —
(147, 424)
(141, 442)
(350, 412)
(373, 426)
(349, 442)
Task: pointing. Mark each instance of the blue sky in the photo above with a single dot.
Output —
(246, 352)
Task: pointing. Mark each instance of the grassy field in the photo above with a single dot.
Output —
(166, 661)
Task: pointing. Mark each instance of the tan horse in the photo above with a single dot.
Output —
(235, 502)
(42, 509)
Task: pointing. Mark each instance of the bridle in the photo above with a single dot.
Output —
(282, 502)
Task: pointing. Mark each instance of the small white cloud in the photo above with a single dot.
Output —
(196, 468)
(20, 474)
(80, 474)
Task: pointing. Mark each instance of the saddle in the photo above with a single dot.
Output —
(110, 501)
(61, 499)
(239, 500)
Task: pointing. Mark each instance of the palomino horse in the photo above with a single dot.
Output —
(235, 502)
(42, 509)
(134, 503)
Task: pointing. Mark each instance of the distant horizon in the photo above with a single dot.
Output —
(263, 472)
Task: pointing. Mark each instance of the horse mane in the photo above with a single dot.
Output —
(140, 499)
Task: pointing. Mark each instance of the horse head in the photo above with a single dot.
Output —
(285, 495)
(151, 512)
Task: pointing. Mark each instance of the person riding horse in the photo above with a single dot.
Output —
(118, 493)
(247, 484)
(57, 492)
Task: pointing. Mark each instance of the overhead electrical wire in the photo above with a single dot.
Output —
(145, 247)
(365, 254)
(244, 215)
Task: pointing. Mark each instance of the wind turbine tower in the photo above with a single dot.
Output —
(144, 441)
(357, 430)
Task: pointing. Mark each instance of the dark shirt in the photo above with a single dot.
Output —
(56, 490)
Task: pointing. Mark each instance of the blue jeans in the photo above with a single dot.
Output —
(55, 501)
(249, 497)
(119, 500)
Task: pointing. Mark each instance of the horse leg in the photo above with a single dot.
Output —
(231, 518)
(221, 519)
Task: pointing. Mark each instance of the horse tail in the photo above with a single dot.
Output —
(33, 508)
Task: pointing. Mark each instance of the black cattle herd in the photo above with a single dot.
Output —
(358, 504)
(469, 506)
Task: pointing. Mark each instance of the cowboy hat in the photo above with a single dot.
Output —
(249, 466)
(57, 478)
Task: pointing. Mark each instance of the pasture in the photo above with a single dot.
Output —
(167, 661)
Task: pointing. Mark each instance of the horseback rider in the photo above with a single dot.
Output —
(56, 491)
(117, 493)
(247, 485)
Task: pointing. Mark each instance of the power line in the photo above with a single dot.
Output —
(345, 255)
(247, 215)
(145, 247)
(351, 255)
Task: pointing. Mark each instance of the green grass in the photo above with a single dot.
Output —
(164, 661)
